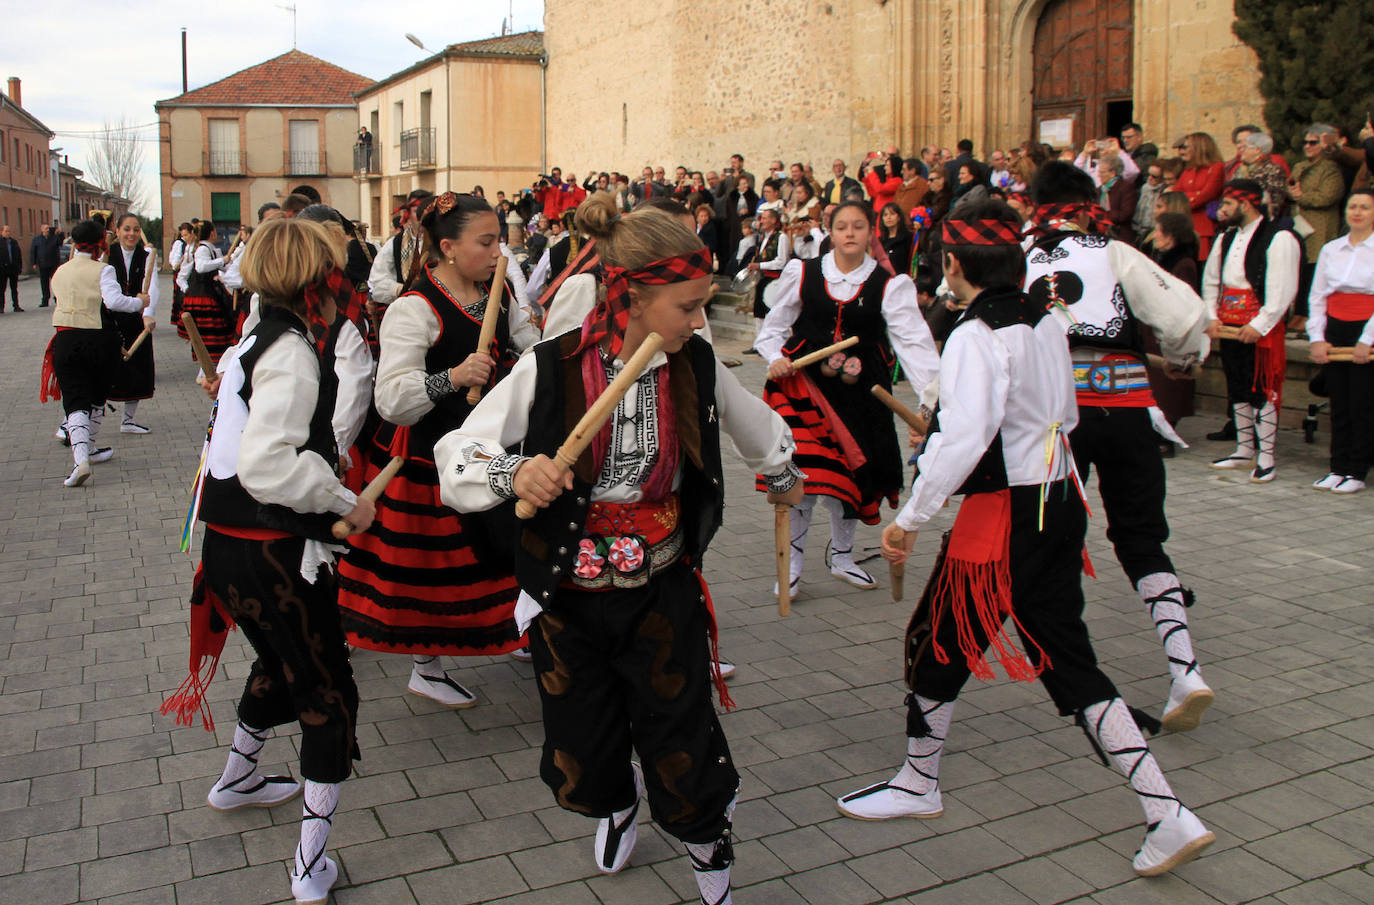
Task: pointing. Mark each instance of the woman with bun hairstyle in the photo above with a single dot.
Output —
(847, 446)
(621, 625)
(425, 581)
(205, 299)
(271, 495)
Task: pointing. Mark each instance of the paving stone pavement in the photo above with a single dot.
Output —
(102, 799)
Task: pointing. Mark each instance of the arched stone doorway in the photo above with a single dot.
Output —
(1081, 88)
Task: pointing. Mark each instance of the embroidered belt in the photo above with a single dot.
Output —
(1237, 307)
(1350, 306)
(627, 544)
(1110, 377)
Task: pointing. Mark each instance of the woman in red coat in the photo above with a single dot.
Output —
(1201, 180)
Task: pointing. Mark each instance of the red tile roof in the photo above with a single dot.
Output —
(525, 43)
(294, 79)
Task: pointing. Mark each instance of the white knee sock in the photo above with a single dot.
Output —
(130, 409)
(800, 525)
(1267, 433)
(79, 434)
(429, 667)
(1111, 726)
(920, 772)
(1164, 597)
(1245, 430)
(841, 531)
(243, 756)
(711, 862)
(317, 817)
(97, 420)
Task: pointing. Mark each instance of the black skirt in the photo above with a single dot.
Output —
(133, 379)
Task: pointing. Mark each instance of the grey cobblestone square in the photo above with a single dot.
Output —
(102, 798)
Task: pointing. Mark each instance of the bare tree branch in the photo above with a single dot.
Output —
(115, 161)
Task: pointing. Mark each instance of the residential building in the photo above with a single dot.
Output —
(90, 197)
(252, 137)
(26, 184)
(469, 115)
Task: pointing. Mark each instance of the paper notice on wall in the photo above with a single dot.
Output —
(1057, 133)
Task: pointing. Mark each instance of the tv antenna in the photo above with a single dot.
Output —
(292, 10)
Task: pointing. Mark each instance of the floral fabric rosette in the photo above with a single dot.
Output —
(624, 554)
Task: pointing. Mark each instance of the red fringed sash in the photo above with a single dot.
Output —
(48, 387)
(210, 626)
(976, 582)
(716, 678)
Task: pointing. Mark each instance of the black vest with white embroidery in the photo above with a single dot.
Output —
(1070, 274)
(549, 541)
(824, 320)
(460, 327)
(998, 308)
(224, 501)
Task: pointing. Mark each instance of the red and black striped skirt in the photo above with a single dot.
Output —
(422, 579)
(213, 321)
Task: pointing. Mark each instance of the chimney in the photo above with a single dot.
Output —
(15, 94)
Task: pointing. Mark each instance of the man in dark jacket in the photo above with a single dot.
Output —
(11, 265)
(45, 256)
(840, 188)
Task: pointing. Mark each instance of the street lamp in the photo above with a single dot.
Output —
(417, 42)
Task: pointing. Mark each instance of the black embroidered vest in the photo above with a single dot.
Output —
(224, 501)
(548, 542)
(823, 317)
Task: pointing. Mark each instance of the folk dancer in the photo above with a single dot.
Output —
(1250, 282)
(847, 447)
(1341, 313)
(83, 354)
(1000, 437)
(128, 265)
(425, 580)
(1105, 294)
(622, 630)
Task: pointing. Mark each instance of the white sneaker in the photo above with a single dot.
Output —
(314, 889)
(267, 792)
(78, 476)
(442, 690)
(1234, 461)
(1189, 696)
(842, 567)
(1172, 842)
(615, 842)
(726, 669)
(1348, 485)
(1329, 482)
(522, 654)
(62, 437)
(129, 427)
(885, 801)
(103, 454)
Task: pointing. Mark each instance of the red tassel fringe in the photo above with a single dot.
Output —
(48, 387)
(207, 644)
(1271, 364)
(722, 692)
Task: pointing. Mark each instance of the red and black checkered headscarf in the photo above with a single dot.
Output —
(1053, 218)
(980, 232)
(340, 289)
(1244, 190)
(94, 249)
(612, 314)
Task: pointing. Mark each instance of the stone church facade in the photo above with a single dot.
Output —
(692, 81)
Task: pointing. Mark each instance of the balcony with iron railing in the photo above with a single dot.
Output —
(224, 163)
(417, 149)
(365, 160)
(304, 163)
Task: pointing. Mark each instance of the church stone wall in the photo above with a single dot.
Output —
(692, 81)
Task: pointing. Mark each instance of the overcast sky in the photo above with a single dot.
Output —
(84, 62)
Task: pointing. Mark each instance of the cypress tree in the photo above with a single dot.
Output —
(1316, 62)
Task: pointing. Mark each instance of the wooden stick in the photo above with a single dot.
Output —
(372, 492)
(782, 544)
(207, 366)
(1340, 354)
(913, 420)
(822, 354)
(598, 413)
(138, 341)
(896, 571)
(498, 288)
